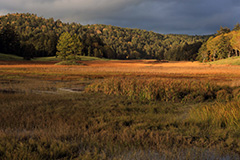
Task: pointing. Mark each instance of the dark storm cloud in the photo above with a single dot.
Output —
(164, 16)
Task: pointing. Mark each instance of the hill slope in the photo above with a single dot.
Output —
(224, 44)
(136, 43)
(7, 57)
(229, 61)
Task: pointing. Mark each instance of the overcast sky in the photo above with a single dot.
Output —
(162, 16)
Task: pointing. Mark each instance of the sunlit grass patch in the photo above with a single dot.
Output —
(219, 115)
(143, 113)
(160, 89)
(229, 61)
(220, 122)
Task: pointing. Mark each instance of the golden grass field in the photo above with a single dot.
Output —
(221, 74)
(123, 109)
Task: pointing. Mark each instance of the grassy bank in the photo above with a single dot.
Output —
(9, 57)
(54, 58)
(229, 61)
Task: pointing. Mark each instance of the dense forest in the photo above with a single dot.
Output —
(30, 36)
(224, 44)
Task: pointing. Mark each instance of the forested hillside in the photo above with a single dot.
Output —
(136, 43)
(30, 36)
(38, 37)
(224, 44)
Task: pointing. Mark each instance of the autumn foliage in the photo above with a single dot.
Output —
(223, 45)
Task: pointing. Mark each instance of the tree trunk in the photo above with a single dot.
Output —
(214, 56)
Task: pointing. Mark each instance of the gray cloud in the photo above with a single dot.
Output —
(163, 16)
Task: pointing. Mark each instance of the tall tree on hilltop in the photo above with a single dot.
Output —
(223, 30)
(236, 27)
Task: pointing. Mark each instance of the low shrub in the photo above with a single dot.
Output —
(223, 95)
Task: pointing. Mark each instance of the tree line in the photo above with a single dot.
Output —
(33, 36)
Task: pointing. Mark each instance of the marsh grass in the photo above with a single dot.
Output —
(137, 117)
(51, 127)
(168, 90)
(12, 85)
(95, 126)
(219, 116)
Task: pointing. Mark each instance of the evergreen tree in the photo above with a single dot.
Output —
(28, 51)
(160, 55)
(223, 47)
(203, 54)
(9, 41)
(212, 48)
(223, 30)
(68, 47)
(236, 27)
(77, 47)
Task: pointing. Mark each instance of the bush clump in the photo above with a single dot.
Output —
(223, 95)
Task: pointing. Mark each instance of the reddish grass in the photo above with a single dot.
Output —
(221, 74)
